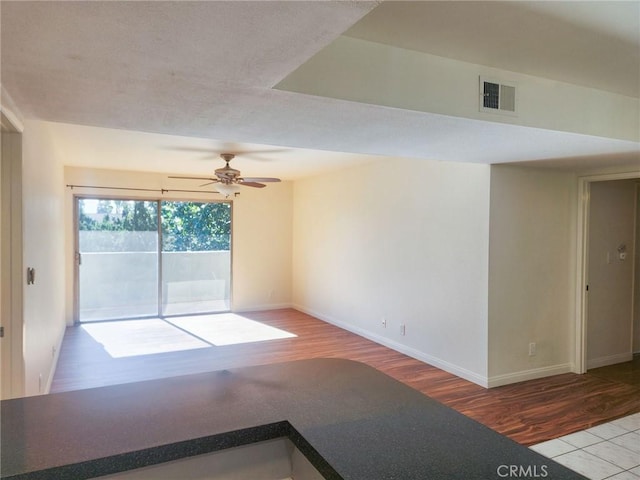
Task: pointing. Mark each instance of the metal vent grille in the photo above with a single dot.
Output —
(507, 98)
(491, 95)
(495, 96)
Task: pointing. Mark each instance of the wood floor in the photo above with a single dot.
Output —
(528, 412)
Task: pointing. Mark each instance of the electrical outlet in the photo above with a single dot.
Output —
(403, 330)
(532, 349)
(384, 322)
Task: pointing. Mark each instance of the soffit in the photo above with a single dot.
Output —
(205, 70)
(594, 44)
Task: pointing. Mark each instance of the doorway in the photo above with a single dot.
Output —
(151, 258)
(608, 291)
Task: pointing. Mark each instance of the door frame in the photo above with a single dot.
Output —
(582, 262)
(11, 291)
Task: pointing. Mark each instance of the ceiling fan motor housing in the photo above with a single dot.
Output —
(227, 174)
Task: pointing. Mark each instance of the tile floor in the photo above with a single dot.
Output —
(609, 451)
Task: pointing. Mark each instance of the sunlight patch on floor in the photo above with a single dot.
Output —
(228, 329)
(128, 338)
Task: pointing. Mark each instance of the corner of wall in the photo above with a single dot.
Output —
(531, 374)
(10, 110)
(54, 364)
(531, 273)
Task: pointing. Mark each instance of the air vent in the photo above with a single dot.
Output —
(497, 96)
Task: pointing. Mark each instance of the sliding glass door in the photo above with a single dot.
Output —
(196, 257)
(118, 259)
(140, 259)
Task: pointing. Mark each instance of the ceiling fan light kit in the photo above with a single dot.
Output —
(227, 189)
(227, 180)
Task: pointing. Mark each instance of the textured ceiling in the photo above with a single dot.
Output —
(205, 71)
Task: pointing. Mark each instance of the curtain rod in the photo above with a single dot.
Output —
(161, 190)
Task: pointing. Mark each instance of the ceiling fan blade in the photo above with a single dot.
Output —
(194, 178)
(189, 149)
(244, 152)
(252, 184)
(208, 183)
(258, 155)
(259, 179)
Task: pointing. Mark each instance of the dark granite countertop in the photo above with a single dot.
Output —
(350, 420)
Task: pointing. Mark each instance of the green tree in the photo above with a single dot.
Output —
(191, 226)
(85, 222)
(142, 218)
(186, 226)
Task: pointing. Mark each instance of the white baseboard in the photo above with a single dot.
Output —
(411, 352)
(609, 360)
(532, 374)
(258, 308)
(54, 363)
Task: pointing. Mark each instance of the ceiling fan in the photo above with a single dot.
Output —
(227, 179)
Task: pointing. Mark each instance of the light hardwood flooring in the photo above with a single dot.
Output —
(529, 412)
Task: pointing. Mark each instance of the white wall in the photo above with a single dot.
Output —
(43, 249)
(261, 250)
(262, 244)
(531, 273)
(404, 240)
(612, 211)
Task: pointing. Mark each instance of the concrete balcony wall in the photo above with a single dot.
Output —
(125, 284)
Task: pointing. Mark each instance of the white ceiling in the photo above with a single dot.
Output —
(201, 75)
